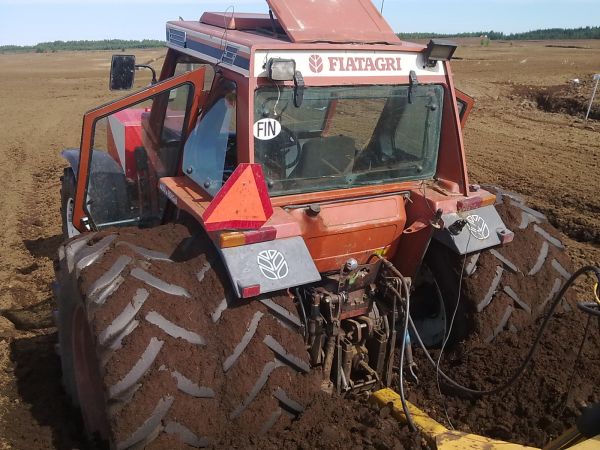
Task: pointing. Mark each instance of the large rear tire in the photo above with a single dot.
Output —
(506, 288)
(163, 355)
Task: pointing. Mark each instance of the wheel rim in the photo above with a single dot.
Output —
(88, 378)
(71, 230)
(427, 309)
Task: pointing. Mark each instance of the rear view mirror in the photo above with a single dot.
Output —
(122, 72)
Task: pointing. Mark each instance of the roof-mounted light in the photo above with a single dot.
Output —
(439, 50)
(280, 69)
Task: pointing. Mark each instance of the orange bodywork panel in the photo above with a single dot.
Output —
(353, 229)
(350, 229)
(188, 196)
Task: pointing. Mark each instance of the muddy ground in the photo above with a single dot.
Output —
(550, 157)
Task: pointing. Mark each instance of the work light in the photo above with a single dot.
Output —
(280, 69)
(439, 50)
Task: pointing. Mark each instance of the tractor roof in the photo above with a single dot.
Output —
(356, 21)
(231, 37)
(333, 21)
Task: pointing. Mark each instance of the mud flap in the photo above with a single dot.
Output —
(472, 231)
(269, 266)
(72, 156)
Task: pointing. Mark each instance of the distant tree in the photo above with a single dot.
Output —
(106, 44)
(546, 34)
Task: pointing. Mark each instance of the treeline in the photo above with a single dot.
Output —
(121, 44)
(545, 34)
(106, 44)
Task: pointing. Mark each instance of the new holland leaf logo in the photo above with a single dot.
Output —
(272, 264)
(315, 62)
(478, 228)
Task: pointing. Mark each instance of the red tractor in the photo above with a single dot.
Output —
(244, 243)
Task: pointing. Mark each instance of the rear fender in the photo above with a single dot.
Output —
(72, 156)
(104, 161)
(473, 230)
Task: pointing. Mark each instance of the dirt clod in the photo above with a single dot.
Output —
(334, 423)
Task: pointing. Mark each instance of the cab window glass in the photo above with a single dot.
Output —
(209, 155)
(133, 148)
(188, 65)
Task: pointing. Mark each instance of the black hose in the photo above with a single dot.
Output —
(591, 308)
(577, 358)
(304, 317)
(529, 356)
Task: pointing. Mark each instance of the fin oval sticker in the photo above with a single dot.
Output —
(266, 129)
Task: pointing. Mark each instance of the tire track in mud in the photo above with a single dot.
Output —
(42, 100)
(29, 219)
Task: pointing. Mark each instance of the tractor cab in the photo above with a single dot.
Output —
(276, 128)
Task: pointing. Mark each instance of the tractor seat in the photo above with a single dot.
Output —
(324, 156)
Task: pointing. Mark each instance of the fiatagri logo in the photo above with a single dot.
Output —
(354, 64)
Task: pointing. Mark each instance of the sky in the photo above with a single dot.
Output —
(26, 22)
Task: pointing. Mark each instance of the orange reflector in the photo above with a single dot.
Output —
(242, 203)
(237, 238)
(488, 200)
(233, 239)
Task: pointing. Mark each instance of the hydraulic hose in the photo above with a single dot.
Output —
(515, 376)
(406, 288)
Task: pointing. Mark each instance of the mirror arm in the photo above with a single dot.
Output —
(413, 81)
(145, 66)
(298, 89)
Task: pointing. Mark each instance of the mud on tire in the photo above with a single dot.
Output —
(67, 197)
(178, 360)
(506, 288)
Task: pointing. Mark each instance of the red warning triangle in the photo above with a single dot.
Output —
(242, 203)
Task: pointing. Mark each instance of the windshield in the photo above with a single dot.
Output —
(341, 137)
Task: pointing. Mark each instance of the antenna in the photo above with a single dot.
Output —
(226, 26)
(382, 3)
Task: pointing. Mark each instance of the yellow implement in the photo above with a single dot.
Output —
(441, 438)
(590, 444)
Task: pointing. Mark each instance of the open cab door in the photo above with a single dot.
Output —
(126, 146)
(465, 105)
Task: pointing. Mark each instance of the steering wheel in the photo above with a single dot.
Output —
(279, 148)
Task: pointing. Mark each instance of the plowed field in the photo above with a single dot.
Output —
(552, 158)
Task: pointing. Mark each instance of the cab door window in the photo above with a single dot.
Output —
(131, 149)
(186, 64)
